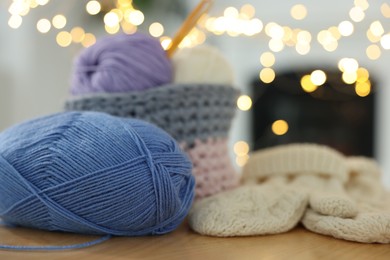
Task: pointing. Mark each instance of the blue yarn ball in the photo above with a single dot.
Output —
(91, 173)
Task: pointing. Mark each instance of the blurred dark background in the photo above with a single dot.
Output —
(332, 115)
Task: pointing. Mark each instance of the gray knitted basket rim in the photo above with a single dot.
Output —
(186, 111)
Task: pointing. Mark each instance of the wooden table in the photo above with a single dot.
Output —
(185, 244)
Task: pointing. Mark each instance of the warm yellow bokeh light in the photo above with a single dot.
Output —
(346, 28)
(267, 75)
(376, 28)
(274, 30)
(325, 37)
(357, 14)
(267, 59)
(276, 45)
(119, 13)
(385, 10)
(20, 7)
(197, 37)
(210, 24)
(318, 77)
(304, 37)
(89, 40)
(136, 17)
(348, 65)
(363, 89)
(363, 4)
(111, 19)
(252, 27)
(341, 63)
(219, 26)
(280, 127)
(298, 12)
(335, 32)
(33, 4)
(363, 75)
(112, 30)
(248, 10)
(241, 161)
(244, 103)
(59, 21)
(349, 77)
(373, 52)
(302, 48)
(385, 41)
(166, 42)
(124, 3)
(231, 12)
(288, 35)
(156, 29)
(294, 37)
(128, 28)
(241, 148)
(64, 39)
(42, 2)
(93, 7)
(15, 21)
(371, 37)
(186, 42)
(78, 34)
(322, 36)
(331, 46)
(15, 8)
(307, 85)
(43, 25)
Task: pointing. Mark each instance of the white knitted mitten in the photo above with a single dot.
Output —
(248, 210)
(366, 227)
(364, 184)
(314, 169)
(372, 224)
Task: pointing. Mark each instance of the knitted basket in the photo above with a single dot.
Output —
(198, 116)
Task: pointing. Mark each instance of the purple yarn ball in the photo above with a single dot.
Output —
(121, 63)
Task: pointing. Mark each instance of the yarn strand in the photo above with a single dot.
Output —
(56, 248)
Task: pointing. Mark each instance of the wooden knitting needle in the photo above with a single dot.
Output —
(202, 8)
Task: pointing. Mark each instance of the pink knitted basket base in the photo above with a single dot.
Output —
(212, 167)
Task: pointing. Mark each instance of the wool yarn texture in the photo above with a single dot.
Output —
(211, 166)
(198, 116)
(247, 211)
(92, 173)
(372, 223)
(364, 184)
(121, 63)
(318, 170)
(202, 64)
(279, 184)
(187, 112)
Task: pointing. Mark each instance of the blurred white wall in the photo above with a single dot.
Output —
(34, 71)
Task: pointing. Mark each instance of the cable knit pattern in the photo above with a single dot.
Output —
(316, 169)
(364, 184)
(295, 159)
(367, 227)
(372, 224)
(248, 210)
(212, 167)
(187, 112)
